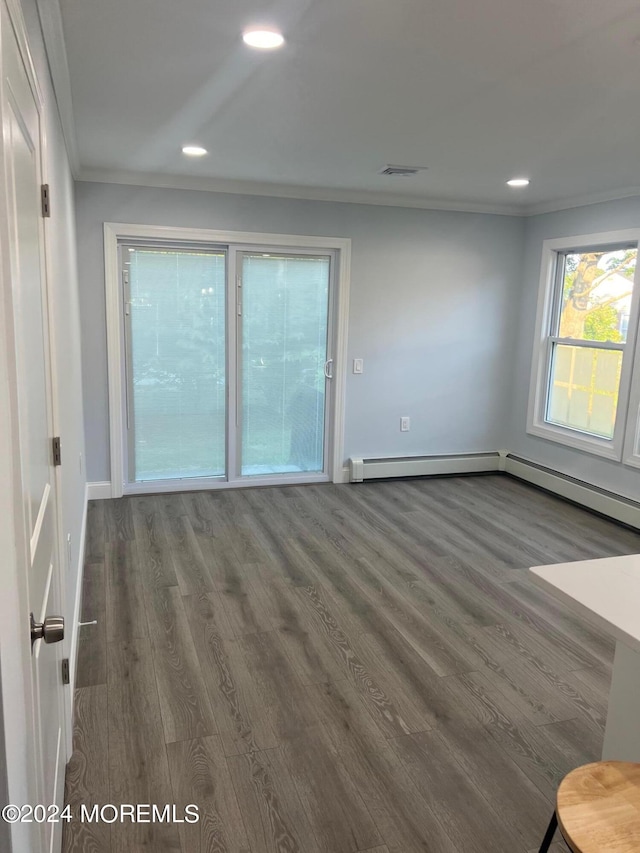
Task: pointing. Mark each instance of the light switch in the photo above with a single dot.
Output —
(358, 365)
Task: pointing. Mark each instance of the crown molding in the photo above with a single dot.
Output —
(53, 37)
(579, 201)
(257, 188)
(346, 196)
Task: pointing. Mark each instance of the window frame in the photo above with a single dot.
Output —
(546, 338)
(338, 247)
(631, 447)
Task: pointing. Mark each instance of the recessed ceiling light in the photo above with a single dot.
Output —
(263, 39)
(194, 150)
(518, 182)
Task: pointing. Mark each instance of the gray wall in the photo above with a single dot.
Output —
(566, 223)
(434, 297)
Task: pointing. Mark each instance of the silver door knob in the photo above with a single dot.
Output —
(51, 630)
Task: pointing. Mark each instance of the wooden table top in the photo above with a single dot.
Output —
(598, 808)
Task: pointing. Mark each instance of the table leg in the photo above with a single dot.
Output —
(622, 731)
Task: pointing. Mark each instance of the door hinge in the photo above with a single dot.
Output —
(57, 453)
(65, 671)
(44, 197)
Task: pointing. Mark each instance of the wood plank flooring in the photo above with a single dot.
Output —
(335, 669)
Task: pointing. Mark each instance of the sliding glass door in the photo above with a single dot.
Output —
(284, 337)
(176, 362)
(228, 365)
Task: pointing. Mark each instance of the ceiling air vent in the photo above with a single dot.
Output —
(402, 171)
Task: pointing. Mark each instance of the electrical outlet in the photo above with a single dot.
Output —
(358, 365)
(405, 424)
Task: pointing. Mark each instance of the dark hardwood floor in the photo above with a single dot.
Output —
(335, 669)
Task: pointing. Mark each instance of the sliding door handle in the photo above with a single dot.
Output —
(328, 368)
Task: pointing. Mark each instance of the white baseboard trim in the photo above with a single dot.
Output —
(602, 501)
(342, 476)
(421, 466)
(99, 491)
(75, 629)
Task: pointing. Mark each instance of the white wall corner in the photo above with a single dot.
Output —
(502, 462)
(99, 491)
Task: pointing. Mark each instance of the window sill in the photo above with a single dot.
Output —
(577, 441)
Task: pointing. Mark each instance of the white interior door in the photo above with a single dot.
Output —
(34, 486)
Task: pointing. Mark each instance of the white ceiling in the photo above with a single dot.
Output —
(477, 90)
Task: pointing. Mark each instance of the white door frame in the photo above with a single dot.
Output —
(115, 344)
(16, 688)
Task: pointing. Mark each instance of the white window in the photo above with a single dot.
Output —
(585, 336)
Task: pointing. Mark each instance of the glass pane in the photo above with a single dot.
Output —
(178, 361)
(284, 348)
(596, 295)
(583, 391)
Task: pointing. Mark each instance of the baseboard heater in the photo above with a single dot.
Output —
(618, 507)
(424, 466)
(600, 500)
